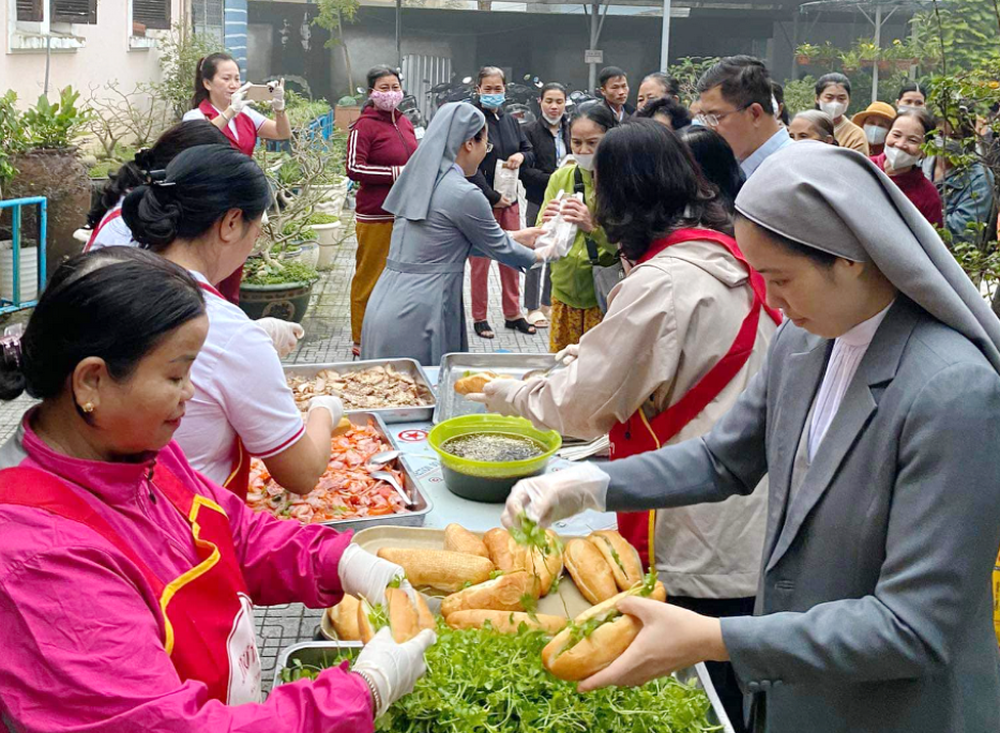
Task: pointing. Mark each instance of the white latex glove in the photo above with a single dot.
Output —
(327, 402)
(498, 396)
(554, 496)
(363, 575)
(237, 103)
(284, 334)
(393, 668)
(568, 355)
(277, 95)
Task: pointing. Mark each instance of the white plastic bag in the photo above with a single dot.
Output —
(558, 234)
(505, 181)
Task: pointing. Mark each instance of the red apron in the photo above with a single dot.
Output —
(206, 613)
(239, 477)
(639, 434)
(245, 127)
(110, 217)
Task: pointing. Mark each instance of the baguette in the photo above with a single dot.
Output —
(439, 569)
(575, 659)
(344, 619)
(405, 621)
(475, 382)
(547, 568)
(506, 622)
(621, 557)
(500, 594)
(590, 571)
(505, 553)
(458, 539)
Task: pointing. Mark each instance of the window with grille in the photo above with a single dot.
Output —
(151, 13)
(29, 10)
(208, 18)
(74, 11)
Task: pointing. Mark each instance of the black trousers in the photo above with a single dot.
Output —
(722, 673)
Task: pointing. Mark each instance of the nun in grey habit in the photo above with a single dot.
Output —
(416, 308)
(880, 437)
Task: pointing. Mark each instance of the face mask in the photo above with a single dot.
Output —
(775, 107)
(492, 101)
(899, 158)
(834, 109)
(386, 101)
(552, 120)
(875, 134)
(586, 162)
(906, 108)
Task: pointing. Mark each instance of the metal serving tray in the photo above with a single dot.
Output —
(322, 654)
(421, 503)
(422, 413)
(311, 653)
(454, 366)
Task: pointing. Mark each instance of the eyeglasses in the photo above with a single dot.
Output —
(712, 119)
(489, 148)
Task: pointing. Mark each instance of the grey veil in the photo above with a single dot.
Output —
(837, 201)
(452, 125)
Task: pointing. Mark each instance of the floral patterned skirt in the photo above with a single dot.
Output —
(568, 324)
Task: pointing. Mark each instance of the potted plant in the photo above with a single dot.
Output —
(329, 236)
(347, 112)
(49, 166)
(805, 53)
(850, 61)
(827, 53)
(277, 282)
(868, 53)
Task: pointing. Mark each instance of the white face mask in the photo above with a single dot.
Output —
(552, 120)
(899, 158)
(586, 162)
(906, 108)
(834, 109)
(875, 135)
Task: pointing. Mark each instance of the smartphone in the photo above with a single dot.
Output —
(260, 93)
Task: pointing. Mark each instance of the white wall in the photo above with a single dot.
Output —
(106, 54)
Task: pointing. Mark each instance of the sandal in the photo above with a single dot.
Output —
(537, 319)
(519, 324)
(483, 329)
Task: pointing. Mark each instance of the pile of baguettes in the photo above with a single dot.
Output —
(489, 581)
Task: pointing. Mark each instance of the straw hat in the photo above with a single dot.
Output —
(878, 110)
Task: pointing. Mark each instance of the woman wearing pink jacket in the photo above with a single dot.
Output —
(127, 579)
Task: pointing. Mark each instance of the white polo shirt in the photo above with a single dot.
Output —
(112, 230)
(257, 118)
(240, 389)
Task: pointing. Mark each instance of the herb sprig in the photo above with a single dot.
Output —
(482, 681)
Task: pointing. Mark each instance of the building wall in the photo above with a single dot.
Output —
(106, 54)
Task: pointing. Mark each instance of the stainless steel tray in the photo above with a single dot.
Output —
(422, 504)
(322, 654)
(311, 653)
(388, 414)
(454, 366)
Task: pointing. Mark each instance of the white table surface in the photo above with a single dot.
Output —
(476, 516)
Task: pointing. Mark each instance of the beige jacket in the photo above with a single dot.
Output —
(669, 322)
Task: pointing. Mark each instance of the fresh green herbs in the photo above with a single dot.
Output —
(648, 583)
(396, 582)
(494, 574)
(530, 534)
(480, 681)
(377, 616)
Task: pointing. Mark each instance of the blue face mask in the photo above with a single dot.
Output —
(492, 101)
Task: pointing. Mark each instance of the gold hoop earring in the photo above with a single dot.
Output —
(88, 407)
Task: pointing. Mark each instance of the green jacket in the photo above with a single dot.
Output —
(572, 276)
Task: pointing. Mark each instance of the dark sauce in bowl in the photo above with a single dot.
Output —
(493, 447)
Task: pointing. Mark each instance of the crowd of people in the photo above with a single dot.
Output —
(764, 320)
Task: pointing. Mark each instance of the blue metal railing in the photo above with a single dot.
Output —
(9, 306)
(323, 125)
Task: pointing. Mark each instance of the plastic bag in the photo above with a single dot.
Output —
(558, 234)
(505, 181)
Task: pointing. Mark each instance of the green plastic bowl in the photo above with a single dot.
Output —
(489, 481)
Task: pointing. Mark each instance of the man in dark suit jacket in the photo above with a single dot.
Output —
(614, 89)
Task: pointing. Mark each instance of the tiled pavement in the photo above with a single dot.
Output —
(328, 339)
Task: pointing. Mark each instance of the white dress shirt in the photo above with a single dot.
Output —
(774, 143)
(848, 351)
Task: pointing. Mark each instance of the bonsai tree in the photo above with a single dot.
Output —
(298, 179)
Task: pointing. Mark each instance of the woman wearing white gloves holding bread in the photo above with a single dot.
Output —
(205, 215)
(873, 417)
